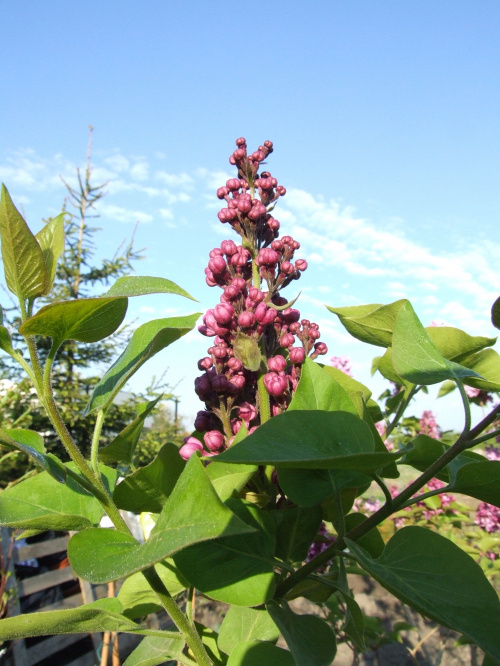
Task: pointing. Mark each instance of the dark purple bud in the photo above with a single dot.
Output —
(205, 363)
(275, 385)
(276, 363)
(214, 440)
(220, 384)
(203, 421)
(321, 348)
(297, 355)
(246, 319)
(207, 331)
(190, 446)
(290, 315)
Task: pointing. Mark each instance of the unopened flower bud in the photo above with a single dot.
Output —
(220, 384)
(203, 421)
(276, 363)
(297, 355)
(223, 313)
(217, 265)
(214, 440)
(190, 446)
(205, 363)
(228, 247)
(255, 294)
(275, 385)
(235, 364)
(267, 257)
(301, 264)
(246, 319)
(222, 192)
(247, 412)
(287, 340)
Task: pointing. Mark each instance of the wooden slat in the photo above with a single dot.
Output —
(42, 548)
(45, 580)
(50, 646)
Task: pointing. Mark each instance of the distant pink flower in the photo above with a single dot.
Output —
(428, 424)
(492, 452)
(342, 363)
(488, 517)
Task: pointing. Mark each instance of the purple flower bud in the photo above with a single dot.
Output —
(219, 352)
(290, 316)
(267, 257)
(233, 184)
(287, 267)
(228, 247)
(275, 385)
(294, 327)
(320, 348)
(273, 224)
(240, 258)
(276, 363)
(287, 340)
(247, 412)
(222, 192)
(205, 363)
(258, 210)
(235, 364)
(256, 294)
(237, 382)
(220, 384)
(244, 206)
(301, 264)
(214, 440)
(191, 446)
(207, 331)
(217, 265)
(246, 319)
(239, 154)
(297, 355)
(241, 142)
(203, 421)
(314, 334)
(223, 313)
(281, 190)
(202, 386)
(216, 252)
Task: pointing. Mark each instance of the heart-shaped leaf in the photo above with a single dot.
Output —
(243, 624)
(83, 319)
(139, 285)
(480, 480)
(421, 568)
(309, 487)
(318, 390)
(227, 479)
(41, 503)
(122, 448)
(311, 439)
(455, 344)
(147, 340)
(258, 653)
(415, 357)
(370, 323)
(295, 531)
(102, 555)
(51, 240)
(24, 266)
(148, 488)
(485, 363)
(237, 570)
(310, 639)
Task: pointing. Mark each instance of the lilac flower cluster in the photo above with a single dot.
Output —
(492, 452)
(478, 396)
(428, 424)
(320, 544)
(342, 363)
(488, 517)
(257, 334)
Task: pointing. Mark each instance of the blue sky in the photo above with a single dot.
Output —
(386, 123)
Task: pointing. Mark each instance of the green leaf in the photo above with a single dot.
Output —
(83, 319)
(310, 639)
(485, 363)
(243, 624)
(310, 487)
(148, 488)
(370, 323)
(480, 480)
(155, 650)
(237, 570)
(147, 340)
(454, 344)
(41, 503)
(371, 542)
(103, 555)
(349, 384)
(415, 357)
(137, 597)
(386, 368)
(318, 390)
(246, 350)
(6, 341)
(295, 531)
(311, 439)
(446, 387)
(422, 569)
(354, 625)
(122, 448)
(139, 285)
(495, 313)
(24, 266)
(51, 240)
(424, 451)
(32, 444)
(227, 479)
(258, 653)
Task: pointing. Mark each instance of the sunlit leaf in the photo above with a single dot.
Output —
(370, 323)
(139, 285)
(243, 624)
(51, 240)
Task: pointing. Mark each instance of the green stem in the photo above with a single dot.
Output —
(189, 604)
(401, 409)
(466, 403)
(180, 620)
(423, 496)
(264, 405)
(462, 443)
(94, 450)
(384, 488)
(485, 438)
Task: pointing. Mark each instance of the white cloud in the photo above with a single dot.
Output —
(124, 215)
(174, 179)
